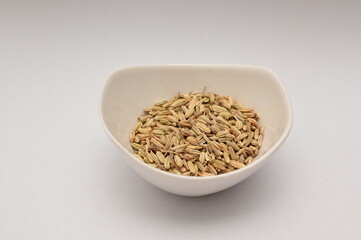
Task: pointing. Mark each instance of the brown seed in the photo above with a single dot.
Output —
(222, 133)
(219, 166)
(203, 127)
(206, 119)
(191, 167)
(178, 161)
(256, 134)
(167, 162)
(212, 169)
(136, 146)
(188, 156)
(238, 105)
(232, 153)
(217, 108)
(226, 157)
(240, 137)
(189, 112)
(249, 139)
(179, 102)
(176, 171)
(156, 143)
(158, 132)
(225, 115)
(202, 157)
(200, 166)
(192, 140)
(248, 160)
(155, 158)
(233, 145)
(237, 164)
(239, 125)
(211, 98)
(224, 102)
(172, 119)
(205, 174)
(160, 157)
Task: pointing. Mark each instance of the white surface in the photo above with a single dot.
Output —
(61, 178)
(258, 87)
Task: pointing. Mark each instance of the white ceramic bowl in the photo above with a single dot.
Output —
(129, 90)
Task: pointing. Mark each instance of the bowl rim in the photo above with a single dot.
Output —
(254, 164)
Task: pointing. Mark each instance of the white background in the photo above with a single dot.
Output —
(62, 178)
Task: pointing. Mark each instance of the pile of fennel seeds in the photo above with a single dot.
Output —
(197, 134)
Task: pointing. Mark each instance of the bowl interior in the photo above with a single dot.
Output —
(130, 90)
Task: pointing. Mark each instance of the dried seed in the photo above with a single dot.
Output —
(159, 132)
(191, 167)
(189, 112)
(225, 115)
(233, 145)
(184, 123)
(192, 140)
(203, 127)
(178, 161)
(195, 170)
(137, 156)
(155, 158)
(232, 153)
(256, 134)
(239, 125)
(238, 105)
(162, 139)
(222, 133)
(237, 164)
(226, 157)
(235, 131)
(136, 146)
(211, 98)
(205, 174)
(249, 139)
(202, 157)
(222, 120)
(144, 130)
(179, 102)
(248, 160)
(224, 102)
(205, 118)
(200, 166)
(253, 122)
(137, 126)
(218, 109)
(143, 119)
(160, 157)
(240, 137)
(150, 157)
(172, 119)
(179, 147)
(212, 169)
(220, 162)
(219, 166)
(176, 171)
